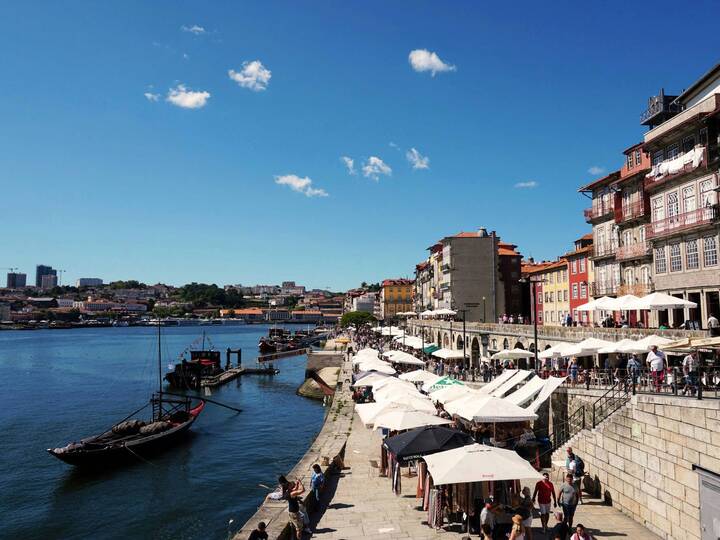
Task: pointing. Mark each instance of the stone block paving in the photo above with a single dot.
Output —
(364, 507)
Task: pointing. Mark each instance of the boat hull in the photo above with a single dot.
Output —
(135, 450)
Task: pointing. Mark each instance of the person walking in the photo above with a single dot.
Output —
(317, 482)
(294, 490)
(633, 368)
(656, 360)
(576, 467)
(526, 504)
(567, 495)
(544, 494)
(574, 368)
(690, 371)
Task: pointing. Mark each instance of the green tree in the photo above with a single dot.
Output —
(356, 319)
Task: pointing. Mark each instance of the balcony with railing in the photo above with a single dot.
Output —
(670, 169)
(633, 210)
(598, 211)
(603, 251)
(633, 251)
(638, 289)
(604, 288)
(683, 222)
(660, 108)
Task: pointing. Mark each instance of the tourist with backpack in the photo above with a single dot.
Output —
(576, 467)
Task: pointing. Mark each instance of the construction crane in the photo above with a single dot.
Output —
(11, 268)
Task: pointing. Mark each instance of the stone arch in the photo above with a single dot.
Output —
(446, 342)
(439, 339)
(494, 344)
(506, 343)
(519, 345)
(459, 343)
(475, 352)
(531, 348)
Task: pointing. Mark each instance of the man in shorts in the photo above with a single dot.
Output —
(544, 493)
(567, 497)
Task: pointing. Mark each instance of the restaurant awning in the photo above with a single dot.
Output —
(450, 393)
(400, 357)
(512, 354)
(430, 349)
(526, 392)
(488, 409)
(419, 375)
(493, 385)
(551, 384)
(688, 344)
(478, 463)
(512, 382)
(442, 383)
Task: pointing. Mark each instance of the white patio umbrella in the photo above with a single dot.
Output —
(369, 411)
(512, 354)
(394, 382)
(488, 409)
(415, 403)
(616, 347)
(419, 375)
(643, 345)
(427, 313)
(400, 357)
(451, 393)
(597, 304)
(561, 350)
(379, 366)
(629, 302)
(447, 354)
(400, 420)
(591, 346)
(371, 379)
(658, 300)
(445, 311)
(478, 463)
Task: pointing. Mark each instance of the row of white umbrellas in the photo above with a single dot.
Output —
(592, 346)
(630, 302)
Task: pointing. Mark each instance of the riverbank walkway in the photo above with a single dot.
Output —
(364, 507)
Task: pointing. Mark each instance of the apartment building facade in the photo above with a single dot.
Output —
(396, 296)
(682, 189)
(552, 302)
(580, 278)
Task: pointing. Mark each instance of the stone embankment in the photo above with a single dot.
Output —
(643, 458)
(328, 450)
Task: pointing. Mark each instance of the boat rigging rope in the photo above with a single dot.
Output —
(139, 456)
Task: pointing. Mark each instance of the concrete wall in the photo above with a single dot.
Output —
(641, 457)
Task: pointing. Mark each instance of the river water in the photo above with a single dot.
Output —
(61, 385)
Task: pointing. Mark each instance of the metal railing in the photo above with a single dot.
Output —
(604, 288)
(633, 251)
(705, 383)
(563, 432)
(631, 210)
(616, 396)
(680, 222)
(598, 211)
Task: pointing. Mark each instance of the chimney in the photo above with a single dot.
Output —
(482, 232)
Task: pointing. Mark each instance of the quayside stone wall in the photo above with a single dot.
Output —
(641, 458)
(328, 450)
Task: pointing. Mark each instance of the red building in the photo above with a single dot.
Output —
(578, 262)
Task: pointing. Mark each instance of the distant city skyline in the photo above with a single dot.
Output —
(175, 143)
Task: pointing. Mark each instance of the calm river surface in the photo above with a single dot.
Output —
(60, 385)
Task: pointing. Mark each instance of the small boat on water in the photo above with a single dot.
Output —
(132, 438)
(203, 363)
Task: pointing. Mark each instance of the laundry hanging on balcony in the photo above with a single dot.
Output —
(673, 166)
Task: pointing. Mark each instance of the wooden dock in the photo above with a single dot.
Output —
(282, 354)
(224, 377)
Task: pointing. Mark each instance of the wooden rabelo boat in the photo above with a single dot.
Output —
(133, 439)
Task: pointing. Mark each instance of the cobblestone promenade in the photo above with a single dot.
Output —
(364, 507)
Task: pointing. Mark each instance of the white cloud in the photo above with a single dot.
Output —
(530, 184)
(253, 75)
(194, 29)
(187, 99)
(417, 160)
(596, 171)
(349, 163)
(301, 185)
(151, 97)
(374, 167)
(424, 60)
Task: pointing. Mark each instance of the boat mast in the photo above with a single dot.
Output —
(203, 345)
(159, 359)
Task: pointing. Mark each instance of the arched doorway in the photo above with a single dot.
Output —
(506, 343)
(459, 343)
(446, 342)
(522, 363)
(475, 352)
(439, 339)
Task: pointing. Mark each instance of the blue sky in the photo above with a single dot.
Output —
(100, 180)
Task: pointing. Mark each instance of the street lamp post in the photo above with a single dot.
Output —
(484, 319)
(534, 281)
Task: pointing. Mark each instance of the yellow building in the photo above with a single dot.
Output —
(553, 302)
(396, 296)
